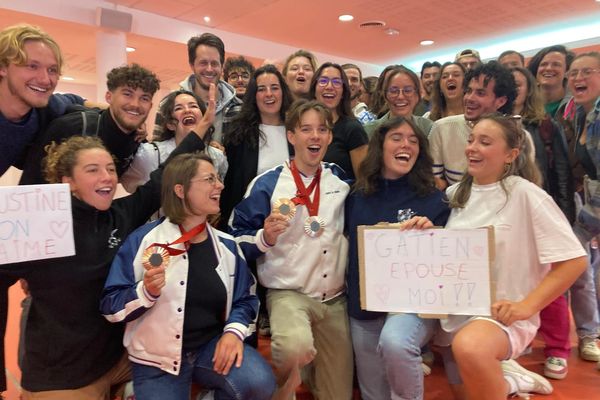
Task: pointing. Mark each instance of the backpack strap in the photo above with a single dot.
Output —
(91, 125)
(157, 151)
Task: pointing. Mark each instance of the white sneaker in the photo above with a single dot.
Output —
(555, 368)
(588, 349)
(522, 380)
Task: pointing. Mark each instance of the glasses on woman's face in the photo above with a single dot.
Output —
(211, 179)
(585, 72)
(394, 91)
(335, 82)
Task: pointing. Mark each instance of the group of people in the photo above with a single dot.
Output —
(255, 182)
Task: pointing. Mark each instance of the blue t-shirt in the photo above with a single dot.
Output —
(16, 136)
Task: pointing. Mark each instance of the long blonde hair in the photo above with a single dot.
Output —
(524, 165)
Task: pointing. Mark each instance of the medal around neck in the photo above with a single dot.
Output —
(155, 257)
(314, 226)
(285, 207)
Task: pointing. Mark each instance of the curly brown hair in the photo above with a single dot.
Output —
(62, 158)
(133, 76)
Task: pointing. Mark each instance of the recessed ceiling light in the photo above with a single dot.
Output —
(129, 49)
(427, 42)
(345, 17)
(67, 78)
(392, 32)
(207, 19)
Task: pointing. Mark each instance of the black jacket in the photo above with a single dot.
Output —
(552, 158)
(80, 121)
(68, 342)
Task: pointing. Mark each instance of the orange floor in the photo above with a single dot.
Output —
(583, 381)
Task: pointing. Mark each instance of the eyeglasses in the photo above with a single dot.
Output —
(210, 179)
(335, 82)
(205, 63)
(585, 72)
(234, 76)
(406, 90)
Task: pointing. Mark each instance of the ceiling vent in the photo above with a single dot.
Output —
(372, 24)
(113, 19)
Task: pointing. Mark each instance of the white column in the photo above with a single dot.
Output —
(110, 53)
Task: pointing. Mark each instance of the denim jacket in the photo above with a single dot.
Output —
(592, 141)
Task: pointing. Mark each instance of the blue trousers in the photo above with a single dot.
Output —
(254, 380)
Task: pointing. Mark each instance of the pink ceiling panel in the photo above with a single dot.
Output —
(170, 8)
(126, 3)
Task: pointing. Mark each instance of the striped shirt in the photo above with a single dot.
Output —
(447, 143)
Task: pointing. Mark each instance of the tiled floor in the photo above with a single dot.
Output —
(582, 383)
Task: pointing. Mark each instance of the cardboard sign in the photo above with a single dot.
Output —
(35, 223)
(433, 271)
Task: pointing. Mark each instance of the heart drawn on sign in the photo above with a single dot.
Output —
(478, 250)
(59, 228)
(382, 292)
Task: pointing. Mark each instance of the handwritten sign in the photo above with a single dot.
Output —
(35, 223)
(434, 271)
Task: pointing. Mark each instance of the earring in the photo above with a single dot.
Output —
(507, 168)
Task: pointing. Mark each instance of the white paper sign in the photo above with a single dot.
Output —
(35, 223)
(435, 271)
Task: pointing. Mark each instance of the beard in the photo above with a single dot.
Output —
(124, 123)
(203, 85)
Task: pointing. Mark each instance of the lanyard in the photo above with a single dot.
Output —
(303, 193)
(185, 238)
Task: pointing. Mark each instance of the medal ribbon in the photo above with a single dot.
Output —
(185, 237)
(303, 193)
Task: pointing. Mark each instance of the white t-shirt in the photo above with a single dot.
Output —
(148, 157)
(273, 149)
(530, 233)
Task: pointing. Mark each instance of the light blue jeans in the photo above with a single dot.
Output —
(253, 380)
(388, 355)
(584, 298)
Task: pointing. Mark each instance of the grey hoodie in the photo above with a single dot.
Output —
(228, 105)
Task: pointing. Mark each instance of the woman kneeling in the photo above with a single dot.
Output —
(187, 296)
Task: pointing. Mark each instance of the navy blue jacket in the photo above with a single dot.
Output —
(383, 206)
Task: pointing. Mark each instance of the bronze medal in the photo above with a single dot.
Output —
(285, 207)
(154, 257)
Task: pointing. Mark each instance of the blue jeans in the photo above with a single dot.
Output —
(395, 343)
(254, 380)
(365, 341)
(584, 300)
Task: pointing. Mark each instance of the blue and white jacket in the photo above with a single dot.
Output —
(314, 266)
(154, 331)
